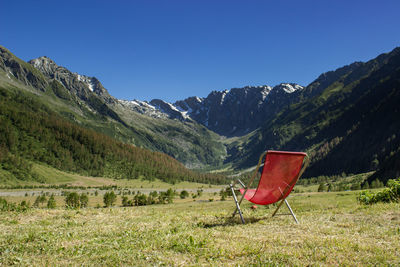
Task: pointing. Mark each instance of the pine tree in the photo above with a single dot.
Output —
(51, 203)
(83, 200)
(109, 198)
(72, 200)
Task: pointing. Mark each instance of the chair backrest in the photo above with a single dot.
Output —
(279, 175)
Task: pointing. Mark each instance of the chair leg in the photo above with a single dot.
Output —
(290, 209)
(237, 205)
(277, 208)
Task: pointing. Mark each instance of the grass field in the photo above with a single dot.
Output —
(52, 176)
(334, 230)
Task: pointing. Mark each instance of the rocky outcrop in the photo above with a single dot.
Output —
(19, 70)
(80, 85)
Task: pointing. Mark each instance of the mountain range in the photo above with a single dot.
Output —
(347, 119)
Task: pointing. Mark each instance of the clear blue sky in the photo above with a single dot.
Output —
(175, 49)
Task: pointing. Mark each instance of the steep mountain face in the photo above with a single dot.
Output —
(240, 110)
(16, 69)
(234, 112)
(79, 85)
(83, 100)
(348, 123)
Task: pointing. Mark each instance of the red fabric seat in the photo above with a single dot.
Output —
(278, 177)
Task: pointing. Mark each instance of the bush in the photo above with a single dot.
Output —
(39, 200)
(72, 200)
(109, 198)
(184, 194)
(6, 206)
(322, 187)
(223, 194)
(389, 194)
(140, 199)
(125, 201)
(84, 200)
(51, 203)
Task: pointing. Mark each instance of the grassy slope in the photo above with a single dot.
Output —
(333, 230)
(51, 176)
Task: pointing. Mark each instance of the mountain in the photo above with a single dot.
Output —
(32, 132)
(79, 85)
(240, 110)
(347, 120)
(229, 113)
(83, 100)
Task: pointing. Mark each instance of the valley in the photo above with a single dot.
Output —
(336, 119)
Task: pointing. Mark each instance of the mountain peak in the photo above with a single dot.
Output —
(73, 82)
(44, 64)
(42, 61)
(288, 87)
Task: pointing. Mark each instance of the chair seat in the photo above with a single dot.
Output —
(264, 197)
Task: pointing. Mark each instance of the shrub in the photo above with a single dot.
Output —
(39, 200)
(84, 200)
(140, 199)
(389, 194)
(109, 198)
(184, 194)
(6, 206)
(51, 203)
(199, 192)
(322, 187)
(72, 200)
(125, 201)
(223, 194)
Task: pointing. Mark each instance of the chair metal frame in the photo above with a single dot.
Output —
(263, 155)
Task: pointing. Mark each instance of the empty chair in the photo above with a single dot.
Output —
(280, 172)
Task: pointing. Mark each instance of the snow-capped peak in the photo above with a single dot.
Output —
(290, 87)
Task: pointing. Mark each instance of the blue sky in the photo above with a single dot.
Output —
(175, 49)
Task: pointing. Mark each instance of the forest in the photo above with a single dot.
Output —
(32, 132)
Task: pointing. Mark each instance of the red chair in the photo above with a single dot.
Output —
(279, 174)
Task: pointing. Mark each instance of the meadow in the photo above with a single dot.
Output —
(334, 230)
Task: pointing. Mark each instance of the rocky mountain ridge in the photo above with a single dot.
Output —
(74, 82)
(341, 112)
(83, 100)
(234, 112)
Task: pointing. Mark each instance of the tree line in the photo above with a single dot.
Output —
(31, 132)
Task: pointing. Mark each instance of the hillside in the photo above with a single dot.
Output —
(84, 100)
(347, 121)
(31, 132)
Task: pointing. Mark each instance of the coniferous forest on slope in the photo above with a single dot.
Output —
(31, 132)
(346, 120)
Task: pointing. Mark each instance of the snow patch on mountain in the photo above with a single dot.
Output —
(290, 87)
(86, 80)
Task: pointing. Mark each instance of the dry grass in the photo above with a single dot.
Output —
(333, 230)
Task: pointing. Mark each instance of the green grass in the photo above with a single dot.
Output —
(334, 230)
(52, 176)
